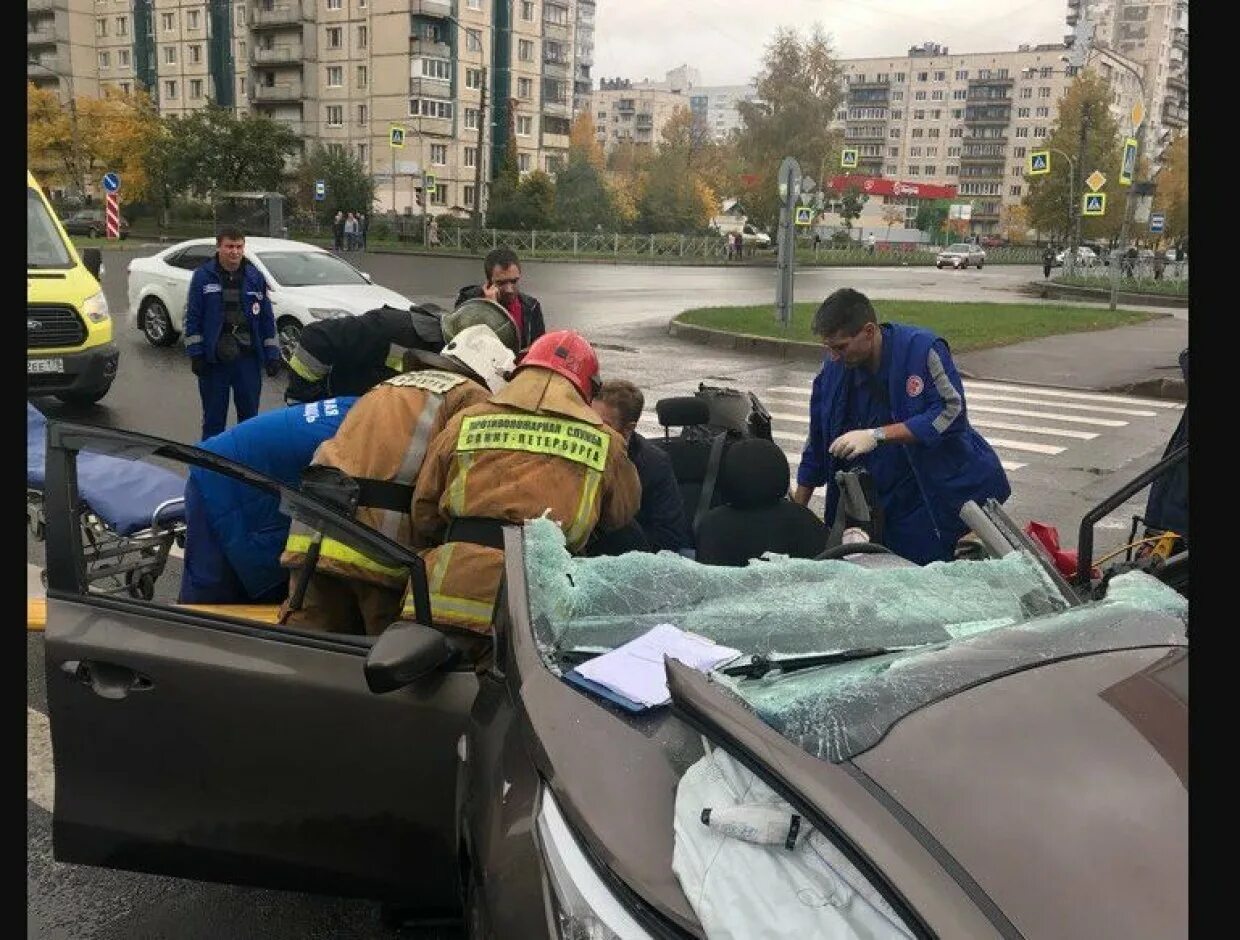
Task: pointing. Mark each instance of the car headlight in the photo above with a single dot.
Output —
(584, 906)
(96, 308)
(328, 313)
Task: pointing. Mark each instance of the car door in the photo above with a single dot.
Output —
(192, 743)
(174, 277)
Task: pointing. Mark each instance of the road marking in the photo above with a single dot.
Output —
(1064, 393)
(1021, 445)
(40, 776)
(1103, 409)
(1033, 429)
(1070, 419)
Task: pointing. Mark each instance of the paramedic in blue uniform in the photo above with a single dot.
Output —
(889, 398)
(230, 332)
(234, 532)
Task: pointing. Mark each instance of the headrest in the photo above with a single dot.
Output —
(754, 473)
(682, 412)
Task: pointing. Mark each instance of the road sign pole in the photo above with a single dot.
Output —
(113, 215)
(790, 188)
(1129, 206)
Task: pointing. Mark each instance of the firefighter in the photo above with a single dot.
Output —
(350, 355)
(535, 447)
(380, 446)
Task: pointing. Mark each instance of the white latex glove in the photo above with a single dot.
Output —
(852, 444)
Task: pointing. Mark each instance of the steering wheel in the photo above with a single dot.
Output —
(837, 552)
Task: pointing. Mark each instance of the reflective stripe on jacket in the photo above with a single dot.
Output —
(533, 448)
(385, 437)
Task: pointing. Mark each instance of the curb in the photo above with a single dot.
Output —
(1051, 291)
(1168, 389)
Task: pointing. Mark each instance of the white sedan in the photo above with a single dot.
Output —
(960, 255)
(306, 283)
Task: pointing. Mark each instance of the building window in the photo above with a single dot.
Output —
(932, 151)
(471, 156)
(525, 50)
(191, 19)
(473, 40)
(125, 86)
(1026, 92)
(473, 78)
(936, 114)
(335, 115)
(122, 26)
(936, 95)
(929, 169)
(363, 76)
(240, 48)
(918, 132)
(1018, 152)
(553, 163)
(439, 154)
(169, 21)
(899, 77)
(101, 27)
(468, 195)
(525, 88)
(1013, 190)
(335, 76)
(897, 114)
(336, 150)
(956, 132)
(122, 58)
(914, 151)
(1018, 171)
(897, 96)
(333, 4)
(170, 90)
(438, 69)
(914, 171)
(440, 196)
(361, 153)
(951, 170)
(957, 113)
(103, 60)
(525, 126)
(195, 54)
(555, 14)
(431, 107)
(1022, 132)
(933, 132)
(894, 133)
(333, 37)
(527, 10)
(170, 55)
(919, 96)
(1042, 112)
(893, 151)
(1039, 132)
(960, 94)
(953, 151)
(1022, 112)
(195, 89)
(363, 115)
(919, 115)
(940, 76)
(471, 119)
(523, 162)
(962, 75)
(1044, 92)
(363, 37)
(922, 76)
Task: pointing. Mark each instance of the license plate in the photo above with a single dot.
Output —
(44, 365)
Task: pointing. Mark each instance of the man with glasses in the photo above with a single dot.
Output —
(888, 398)
(503, 274)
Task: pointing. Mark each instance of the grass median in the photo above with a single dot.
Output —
(965, 326)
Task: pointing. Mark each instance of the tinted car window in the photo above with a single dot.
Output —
(192, 257)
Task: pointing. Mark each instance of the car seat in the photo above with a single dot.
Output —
(757, 516)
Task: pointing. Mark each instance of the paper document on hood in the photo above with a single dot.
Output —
(635, 670)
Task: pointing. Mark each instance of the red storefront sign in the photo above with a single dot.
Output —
(879, 186)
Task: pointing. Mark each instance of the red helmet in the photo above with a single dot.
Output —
(569, 354)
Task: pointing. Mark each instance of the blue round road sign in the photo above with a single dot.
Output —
(111, 182)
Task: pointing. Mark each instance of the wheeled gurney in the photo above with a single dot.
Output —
(130, 513)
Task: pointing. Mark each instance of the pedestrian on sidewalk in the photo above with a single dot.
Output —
(1048, 260)
(350, 232)
(889, 399)
(338, 230)
(432, 234)
(363, 224)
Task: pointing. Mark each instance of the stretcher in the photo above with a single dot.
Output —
(130, 514)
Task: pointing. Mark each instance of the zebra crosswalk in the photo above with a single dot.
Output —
(1023, 423)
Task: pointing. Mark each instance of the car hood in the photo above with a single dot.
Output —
(355, 298)
(1056, 786)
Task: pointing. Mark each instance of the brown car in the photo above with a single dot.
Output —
(1027, 779)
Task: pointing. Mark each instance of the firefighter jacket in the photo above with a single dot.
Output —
(381, 443)
(204, 312)
(351, 355)
(534, 447)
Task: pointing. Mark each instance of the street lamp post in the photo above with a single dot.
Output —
(1072, 207)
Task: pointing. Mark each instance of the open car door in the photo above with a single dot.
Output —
(200, 745)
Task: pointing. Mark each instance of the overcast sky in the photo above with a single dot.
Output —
(724, 39)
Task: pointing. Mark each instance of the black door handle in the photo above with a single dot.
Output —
(107, 680)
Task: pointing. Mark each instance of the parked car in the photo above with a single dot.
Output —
(307, 283)
(92, 223)
(960, 255)
(1085, 256)
(993, 241)
(751, 236)
(1046, 735)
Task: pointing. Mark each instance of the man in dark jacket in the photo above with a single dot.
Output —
(503, 274)
(1167, 508)
(662, 513)
(351, 355)
(889, 397)
(230, 332)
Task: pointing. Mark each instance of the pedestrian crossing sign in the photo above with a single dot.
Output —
(429, 184)
(396, 136)
(848, 159)
(1129, 167)
(1039, 162)
(1094, 204)
(805, 215)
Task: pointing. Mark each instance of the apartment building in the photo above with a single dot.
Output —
(625, 110)
(714, 107)
(343, 72)
(966, 120)
(1153, 34)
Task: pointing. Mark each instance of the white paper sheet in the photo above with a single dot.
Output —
(636, 671)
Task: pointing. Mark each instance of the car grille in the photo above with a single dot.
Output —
(52, 327)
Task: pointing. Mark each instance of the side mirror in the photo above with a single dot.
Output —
(405, 652)
(92, 258)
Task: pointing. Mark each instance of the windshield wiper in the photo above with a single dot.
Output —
(759, 665)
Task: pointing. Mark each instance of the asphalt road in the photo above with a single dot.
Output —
(1063, 454)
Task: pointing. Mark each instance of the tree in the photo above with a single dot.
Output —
(531, 205)
(931, 214)
(1014, 223)
(583, 141)
(673, 201)
(213, 150)
(851, 203)
(893, 215)
(1048, 198)
(582, 201)
(1171, 198)
(51, 139)
(799, 87)
(349, 187)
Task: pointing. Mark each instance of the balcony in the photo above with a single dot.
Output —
(1002, 141)
(644, 122)
(555, 67)
(438, 9)
(40, 6)
(1177, 82)
(625, 106)
(44, 66)
(280, 15)
(42, 35)
(557, 107)
(429, 47)
(983, 158)
(988, 116)
(555, 141)
(280, 54)
(555, 31)
(434, 126)
(434, 88)
(1179, 37)
(1175, 115)
(280, 91)
(986, 176)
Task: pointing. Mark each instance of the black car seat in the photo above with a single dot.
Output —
(696, 453)
(757, 516)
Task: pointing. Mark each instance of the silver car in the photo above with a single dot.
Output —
(960, 255)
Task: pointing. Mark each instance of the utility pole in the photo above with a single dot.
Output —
(482, 111)
(1077, 197)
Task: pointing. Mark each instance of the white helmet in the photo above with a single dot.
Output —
(483, 353)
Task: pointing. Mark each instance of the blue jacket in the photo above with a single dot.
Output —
(247, 523)
(950, 462)
(204, 314)
(662, 512)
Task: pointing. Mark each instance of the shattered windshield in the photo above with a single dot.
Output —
(951, 624)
